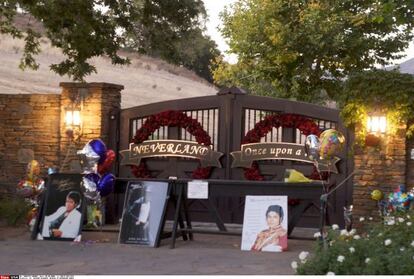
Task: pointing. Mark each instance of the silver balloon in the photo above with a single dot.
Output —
(312, 147)
(90, 189)
(88, 159)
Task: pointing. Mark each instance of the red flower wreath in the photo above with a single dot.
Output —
(305, 125)
(171, 118)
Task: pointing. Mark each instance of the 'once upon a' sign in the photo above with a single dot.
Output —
(171, 148)
(277, 151)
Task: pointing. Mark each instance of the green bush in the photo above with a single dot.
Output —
(384, 248)
(13, 210)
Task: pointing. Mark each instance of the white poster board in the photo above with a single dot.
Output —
(265, 224)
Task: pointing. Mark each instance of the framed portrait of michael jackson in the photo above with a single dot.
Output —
(63, 207)
(144, 211)
(265, 224)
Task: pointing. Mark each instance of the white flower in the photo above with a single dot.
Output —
(408, 216)
(340, 258)
(303, 255)
(356, 237)
(380, 234)
(412, 243)
(370, 218)
(317, 235)
(294, 265)
(367, 260)
(387, 242)
(390, 222)
(361, 219)
(351, 249)
(331, 242)
(409, 223)
(344, 232)
(401, 220)
(402, 249)
(335, 227)
(352, 232)
(330, 273)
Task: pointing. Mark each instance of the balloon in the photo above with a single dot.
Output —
(107, 164)
(25, 191)
(332, 142)
(400, 199)
(33, 170)
(90, 186)
(106, 184)
(312, 147)
(376, 195)
(99, 148)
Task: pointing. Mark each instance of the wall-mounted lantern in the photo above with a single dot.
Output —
(72, 118)
(377, 124)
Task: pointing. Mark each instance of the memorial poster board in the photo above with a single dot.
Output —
(61, 216)
(265, 224)
(143, 214)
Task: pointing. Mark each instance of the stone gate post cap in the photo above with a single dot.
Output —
(104, 85)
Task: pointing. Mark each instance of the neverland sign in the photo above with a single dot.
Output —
(171, 148)
(277, 151)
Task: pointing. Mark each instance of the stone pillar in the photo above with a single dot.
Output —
(97, 101)
(380, 167)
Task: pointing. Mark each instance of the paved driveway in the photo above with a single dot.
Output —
(207, 254)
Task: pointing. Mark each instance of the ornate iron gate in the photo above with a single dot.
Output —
(227, 117)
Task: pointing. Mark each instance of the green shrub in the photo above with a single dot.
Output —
(13, 210)
(384, 248)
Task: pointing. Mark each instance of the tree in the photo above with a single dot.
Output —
(81, 28)
(173, 31)
(302, 49)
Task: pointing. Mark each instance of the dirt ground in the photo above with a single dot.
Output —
(100, 254)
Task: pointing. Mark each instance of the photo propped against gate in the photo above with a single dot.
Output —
(196, 138)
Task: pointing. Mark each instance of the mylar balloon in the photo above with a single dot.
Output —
(376, 195)
(33, 170)
(312, 147)
(90, 186)
(106, 184)
(332, 143)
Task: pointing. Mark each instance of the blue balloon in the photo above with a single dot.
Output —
(99, 148)
(92, 177)
(106, 184)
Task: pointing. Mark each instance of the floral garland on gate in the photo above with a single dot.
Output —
(305, 125)
(171, 118)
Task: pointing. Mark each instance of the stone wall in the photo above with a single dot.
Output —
(97, 100)
(32, 126)
(380, 167)
(29, 128)
(410, 164)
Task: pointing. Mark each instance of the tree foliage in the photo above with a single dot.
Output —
(83, 29)
(302, 49)
(174, 31)
(389, 93)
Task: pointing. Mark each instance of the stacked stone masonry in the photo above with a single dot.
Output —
(34, 124)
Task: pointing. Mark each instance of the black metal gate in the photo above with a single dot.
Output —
(227, 117)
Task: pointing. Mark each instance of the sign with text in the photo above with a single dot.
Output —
(277, 151)
(171, 148)
(197, 189)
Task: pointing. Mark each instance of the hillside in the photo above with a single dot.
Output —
(146, 80)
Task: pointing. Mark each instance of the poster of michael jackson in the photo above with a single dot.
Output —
(144, 207)
(64, 205)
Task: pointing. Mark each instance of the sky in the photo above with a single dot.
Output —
(214, 7)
